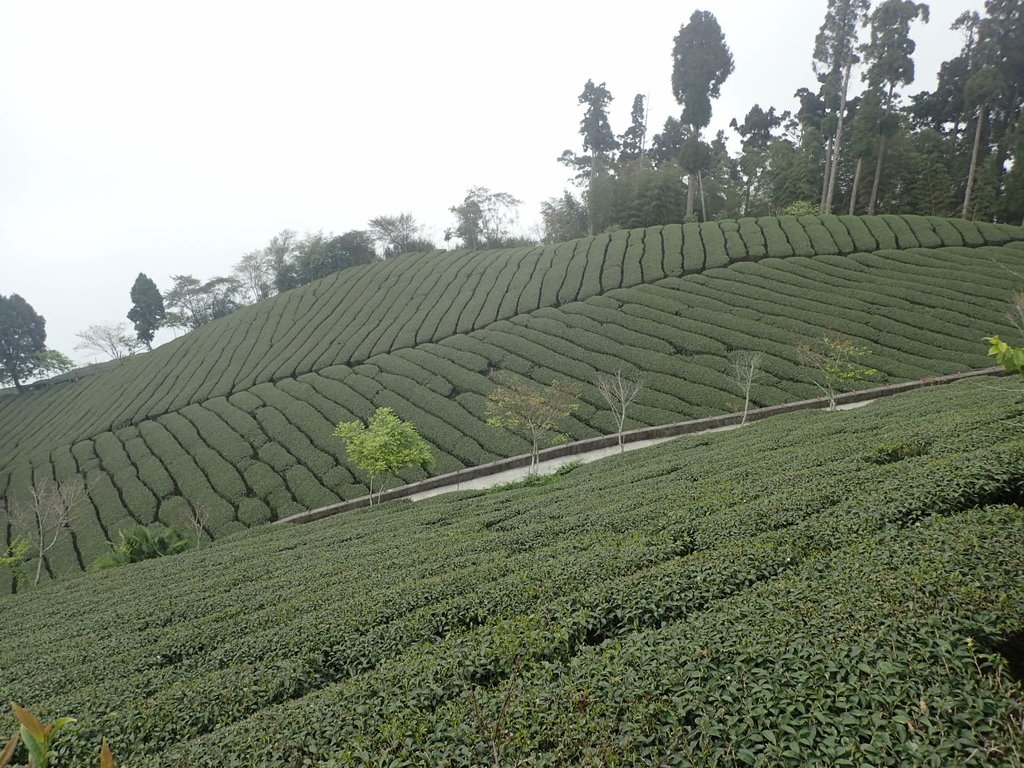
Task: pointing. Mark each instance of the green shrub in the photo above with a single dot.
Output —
(889, 453)
(801, 208)
(141, 543)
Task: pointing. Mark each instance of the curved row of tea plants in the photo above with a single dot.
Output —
(351, 316)
(264, 451)
(797, 592)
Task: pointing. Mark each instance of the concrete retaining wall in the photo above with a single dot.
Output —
(647, 433)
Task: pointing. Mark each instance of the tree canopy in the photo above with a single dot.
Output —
(484, 219)
(383, 446)
(633, 142)
(147, 312)
(701, 63)
(318, 255)
(531, 410)
(23, 352)
(394, 235)
(194, 302)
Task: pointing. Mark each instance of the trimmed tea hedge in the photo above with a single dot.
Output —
(768, 596)
(193, 422)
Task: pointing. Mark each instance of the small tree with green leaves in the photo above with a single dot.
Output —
(834, 363)
(383, 446)
(14, 557)
(619, 392)
(531, 410)
(1011, 358)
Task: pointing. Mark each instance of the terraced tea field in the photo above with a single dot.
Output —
(237, 416)
(801, 591)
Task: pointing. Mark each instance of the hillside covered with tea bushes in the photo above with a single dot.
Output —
(236, 417)
(814, 589)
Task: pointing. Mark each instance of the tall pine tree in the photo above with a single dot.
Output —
(600, 143)
(890, 64)
(147, 312)
(701, 63)
(633, 141)
(834, 57)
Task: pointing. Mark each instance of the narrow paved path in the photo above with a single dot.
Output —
(551, 465)
(489, 475)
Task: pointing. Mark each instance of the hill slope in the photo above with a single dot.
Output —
(792, 593)
(237, 416)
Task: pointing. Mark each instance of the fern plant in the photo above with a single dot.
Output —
(141, 543)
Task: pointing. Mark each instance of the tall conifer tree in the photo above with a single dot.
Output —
(890, 64)
(147, 312)
(702, 62)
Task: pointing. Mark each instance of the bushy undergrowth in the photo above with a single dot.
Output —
(763, 596)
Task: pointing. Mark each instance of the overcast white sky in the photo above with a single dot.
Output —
(174, 137)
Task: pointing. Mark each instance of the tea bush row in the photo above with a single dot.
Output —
(770, 580)
(921, 311)
(376, 309)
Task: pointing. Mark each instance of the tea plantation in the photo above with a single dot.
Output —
(802, 591)
(237, 417)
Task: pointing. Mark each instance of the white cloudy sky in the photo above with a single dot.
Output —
(172, 138)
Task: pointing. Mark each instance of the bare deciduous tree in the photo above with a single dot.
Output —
(197, 515)
(1015, 314)
(746, 369)
(255, 273)
(619, 392)
(115, 341)
(45, 517)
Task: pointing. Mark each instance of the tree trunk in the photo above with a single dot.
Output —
(590, 199)
(534, 454)
(824, 178)
(703, 202)
(974, 162)
(1005, 142)
(881, 151)
(691, 179)
(878, 176)
(856, 183)
(837, 150)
